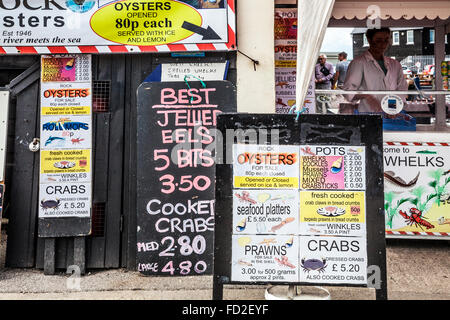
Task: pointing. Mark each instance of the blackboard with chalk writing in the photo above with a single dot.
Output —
(176, 174)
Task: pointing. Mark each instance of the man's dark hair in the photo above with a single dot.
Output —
(343, 54)
(371, 32)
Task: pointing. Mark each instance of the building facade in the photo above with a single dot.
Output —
(405, 42)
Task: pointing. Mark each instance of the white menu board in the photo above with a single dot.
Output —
(333, 260)
(265, 211)
(66, 136)
(265, 166)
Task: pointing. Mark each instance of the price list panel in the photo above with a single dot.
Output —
(265, 213)
(333, 168)
(75, 68)
(312, 231)
(355, 173)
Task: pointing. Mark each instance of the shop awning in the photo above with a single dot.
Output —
(413, 9)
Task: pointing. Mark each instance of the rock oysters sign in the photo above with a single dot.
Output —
(417, 189)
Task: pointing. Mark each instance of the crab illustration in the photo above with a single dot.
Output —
(314, 264)
(50, 204)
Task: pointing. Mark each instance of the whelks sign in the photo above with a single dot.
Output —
(105, 26)
(417, 189)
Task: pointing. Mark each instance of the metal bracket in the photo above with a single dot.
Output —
(35, 145)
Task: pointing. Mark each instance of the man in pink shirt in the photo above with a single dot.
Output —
(372, 71)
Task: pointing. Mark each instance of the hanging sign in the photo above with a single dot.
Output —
(91, 26)
(202, 71)
(213, 71)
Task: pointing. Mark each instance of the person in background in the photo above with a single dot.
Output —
(324, 73)
(212, 4)
(341, 70)
(373, 71)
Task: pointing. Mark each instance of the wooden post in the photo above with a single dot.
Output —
(49, 256)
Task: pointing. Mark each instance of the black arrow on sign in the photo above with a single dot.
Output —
(208, 34)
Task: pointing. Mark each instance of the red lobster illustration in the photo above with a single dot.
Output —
(77, 140)
(416, 218)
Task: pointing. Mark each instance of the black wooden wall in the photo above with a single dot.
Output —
(114, 176)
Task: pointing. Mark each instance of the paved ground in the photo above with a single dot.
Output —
(417, 269)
